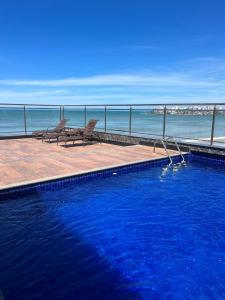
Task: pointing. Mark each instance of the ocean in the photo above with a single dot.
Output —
(143, 122)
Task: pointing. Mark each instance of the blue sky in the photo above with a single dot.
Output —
(98, 51)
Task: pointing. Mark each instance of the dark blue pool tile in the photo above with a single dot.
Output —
(207, 157)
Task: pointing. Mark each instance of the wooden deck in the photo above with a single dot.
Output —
(25, 160)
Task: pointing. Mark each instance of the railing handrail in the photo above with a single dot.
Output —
(113, 105)
(164, 108)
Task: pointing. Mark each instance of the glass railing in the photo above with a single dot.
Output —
(196, 123)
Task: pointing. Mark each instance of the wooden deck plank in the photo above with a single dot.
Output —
(23, 160)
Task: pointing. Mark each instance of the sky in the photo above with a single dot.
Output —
(112, 51)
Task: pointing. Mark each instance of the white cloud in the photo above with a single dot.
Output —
(143, 47)
(4, 94)
(61, 97)
(197, 80)
(117, 80)
(127, 49)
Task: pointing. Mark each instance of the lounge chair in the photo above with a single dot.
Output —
(79, 134)
(62, 134)
(41, 133)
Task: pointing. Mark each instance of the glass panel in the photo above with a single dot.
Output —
(75, 116)
(189, 122)
(97, 113)
(147, 120)
(11, 120)
(219, 132)
(39, 118)
(118, 119)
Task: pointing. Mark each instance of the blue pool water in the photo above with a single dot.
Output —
(153, 234)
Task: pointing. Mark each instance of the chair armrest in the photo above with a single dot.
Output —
(49, 128)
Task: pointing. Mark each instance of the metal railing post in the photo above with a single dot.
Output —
(63, 112)
(105, 126)
(213, 125)
(60, 112)
(164, 121)
(85, 116)
(130, 121)
(25, 119)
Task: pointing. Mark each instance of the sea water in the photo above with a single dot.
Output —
(143, 121)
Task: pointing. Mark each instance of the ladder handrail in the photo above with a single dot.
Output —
(164, 142)
(167, 152)
(177, 146)
(164, 146)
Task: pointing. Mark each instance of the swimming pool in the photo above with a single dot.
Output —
(147, 232)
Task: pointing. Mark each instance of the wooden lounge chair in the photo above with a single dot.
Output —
(79, 134)
(62, 134)
(60, 127)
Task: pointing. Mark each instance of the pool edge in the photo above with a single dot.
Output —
(11, 188)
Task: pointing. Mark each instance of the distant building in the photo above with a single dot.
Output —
(189, 110)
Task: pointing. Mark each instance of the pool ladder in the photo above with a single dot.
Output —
(166, 141)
